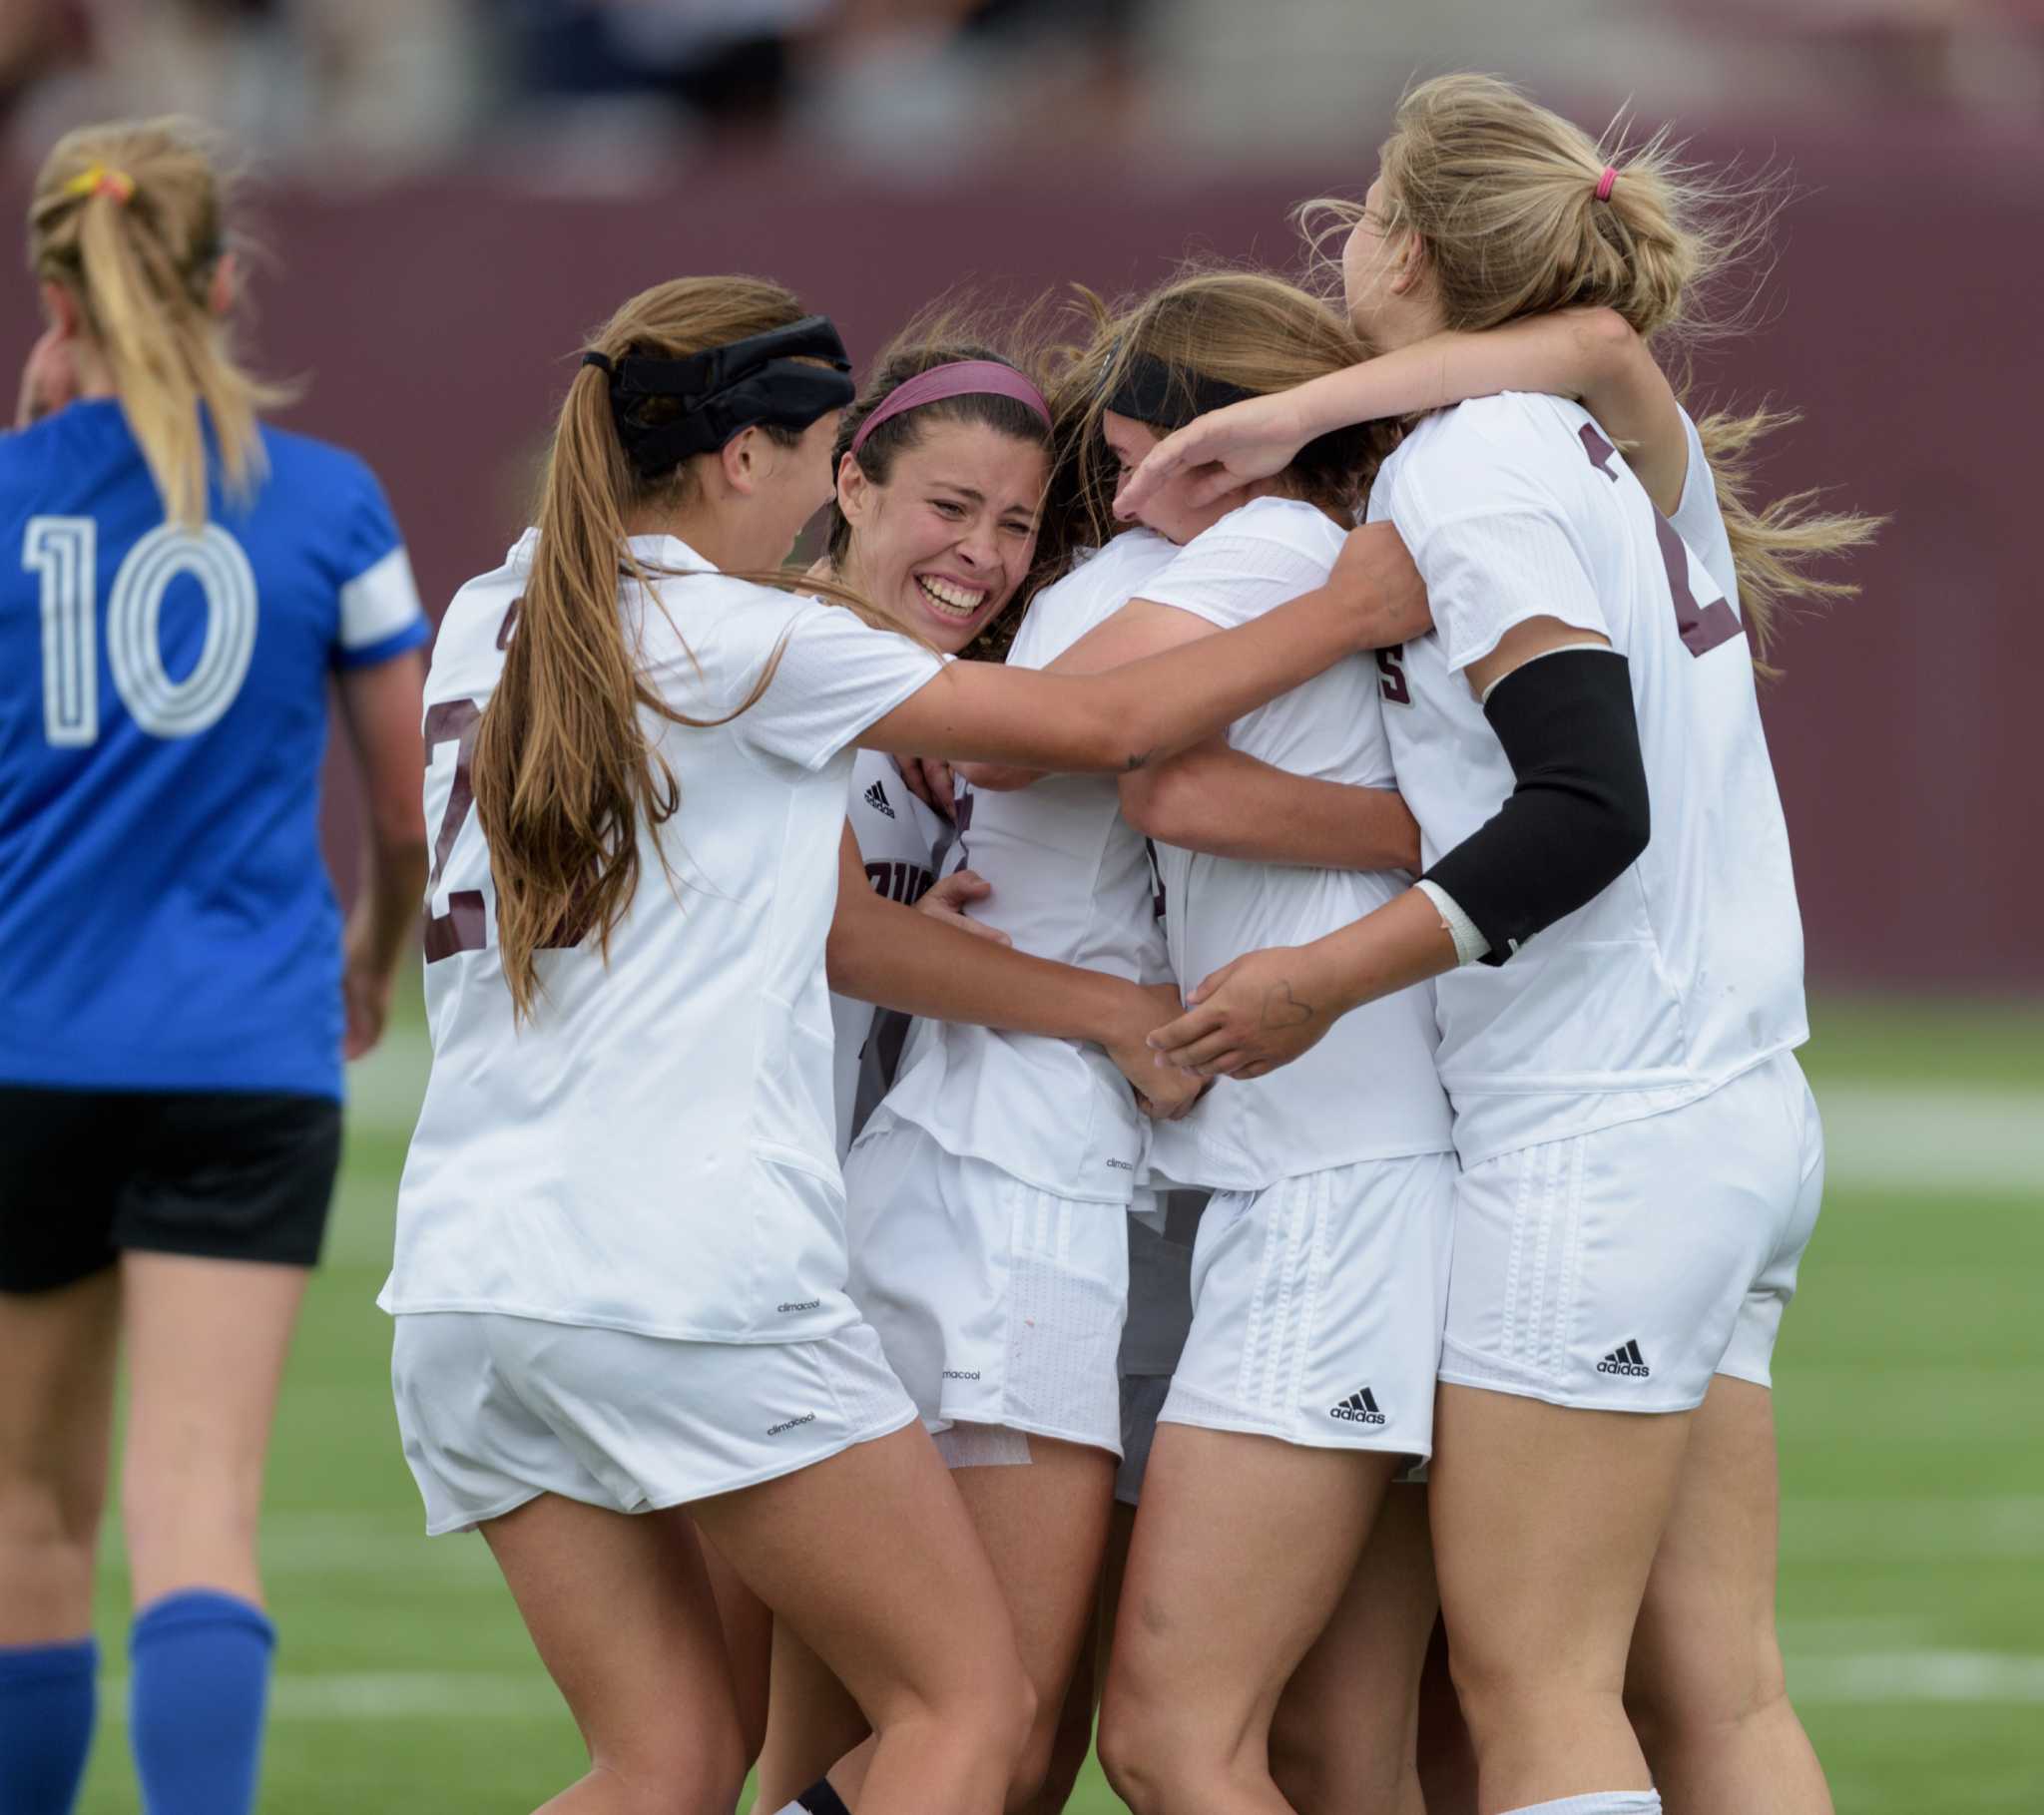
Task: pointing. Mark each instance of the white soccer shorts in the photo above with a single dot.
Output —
(996, 1303)
(1618, 1270)
(497, 1410)
(1316, 1307)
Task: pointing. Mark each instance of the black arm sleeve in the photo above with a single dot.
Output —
(1578, 817)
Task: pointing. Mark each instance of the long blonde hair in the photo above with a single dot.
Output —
(1502, 195)
(131, 219)
(1246, 329)
(563, 767)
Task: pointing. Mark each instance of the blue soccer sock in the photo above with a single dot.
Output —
(196, 1704)
(48, 1695)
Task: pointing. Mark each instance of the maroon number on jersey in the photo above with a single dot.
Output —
(1701, 627)
(1391, 676)
(465, 925)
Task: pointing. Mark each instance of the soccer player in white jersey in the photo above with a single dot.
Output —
(619, 1281)
(1580, 738)
(183, 588)
(1306, 1382)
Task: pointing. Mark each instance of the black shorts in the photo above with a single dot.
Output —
(221, 1174)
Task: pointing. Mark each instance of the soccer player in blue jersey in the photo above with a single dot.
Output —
(177, 583)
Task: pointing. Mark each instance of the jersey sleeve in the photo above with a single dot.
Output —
(1503, 552)
(1247, 564)
(836, 675)
(380, 614)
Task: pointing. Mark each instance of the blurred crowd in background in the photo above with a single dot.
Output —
(582, 94)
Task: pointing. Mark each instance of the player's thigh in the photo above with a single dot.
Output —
(56, 1419)
(747, 1628)
(870, 1556)
(1545, 1523)
(1704, 1648)
(1241, 1550)
(1343, 1734)
(622, 1612)
(1043, 1528)
(811, 1720)
(207, 1344)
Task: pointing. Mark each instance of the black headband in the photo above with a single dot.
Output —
(1166, 396)
(724, 390)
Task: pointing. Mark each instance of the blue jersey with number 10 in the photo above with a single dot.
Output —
(166, 918)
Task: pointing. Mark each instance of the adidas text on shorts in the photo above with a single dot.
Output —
(1316, 1307)
(1618, 1270)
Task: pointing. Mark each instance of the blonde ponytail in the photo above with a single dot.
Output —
(1516, 215)
(130, 218)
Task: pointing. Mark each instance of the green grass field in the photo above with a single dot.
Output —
(1909, 1377)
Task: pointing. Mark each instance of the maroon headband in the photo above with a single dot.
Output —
(961, 378)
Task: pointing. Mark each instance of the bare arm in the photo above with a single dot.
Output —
(1213, 798)
(1268, 1006)
(1138, 710)
(381, 708)
(889, 955)
(1217, 799)
(1590, 354)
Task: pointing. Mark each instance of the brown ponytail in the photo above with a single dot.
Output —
(130, 218)
(1503, 195)
(563, 766)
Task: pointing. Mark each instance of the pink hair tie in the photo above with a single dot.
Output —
(1605, 181)
(961, 378)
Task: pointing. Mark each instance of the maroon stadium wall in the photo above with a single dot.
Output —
(437, 325)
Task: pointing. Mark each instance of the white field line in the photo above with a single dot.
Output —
(1890, 1677)
(1932, 1137)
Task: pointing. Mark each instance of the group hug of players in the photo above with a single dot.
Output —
(954, 1187)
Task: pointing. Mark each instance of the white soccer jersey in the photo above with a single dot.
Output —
(655, 1149)
(1687, 968)
(1369, 1090)
(899, 840)
(1071, 881)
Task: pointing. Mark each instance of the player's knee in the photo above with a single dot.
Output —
(1332, 1765)
(1152, 1752)
(48, 1514)
(688, 1766)
(1707, 1691)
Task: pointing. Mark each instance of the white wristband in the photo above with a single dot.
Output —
(1470, 943)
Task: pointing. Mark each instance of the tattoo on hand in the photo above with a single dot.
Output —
(1139, 758)
(1281, 1008)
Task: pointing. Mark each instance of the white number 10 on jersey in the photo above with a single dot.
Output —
(64, 552)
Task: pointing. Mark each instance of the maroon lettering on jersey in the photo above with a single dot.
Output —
(1157, 901)
(906, 883)
(1601, 451)
(464, 927)
(1701, 627)
(1391, 676)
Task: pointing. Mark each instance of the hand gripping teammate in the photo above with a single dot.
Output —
(619, 1284)
(1631, 1121)
(179, 583)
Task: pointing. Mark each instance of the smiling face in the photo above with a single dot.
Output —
(1167, 512)
(943, 543)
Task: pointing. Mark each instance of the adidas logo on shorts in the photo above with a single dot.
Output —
(1626, 1359)
(1358, 1408)
(877, 796)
